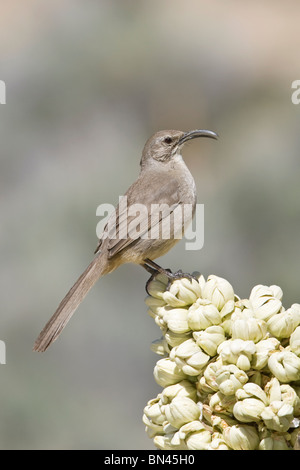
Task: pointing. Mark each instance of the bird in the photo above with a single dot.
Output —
(163, 188)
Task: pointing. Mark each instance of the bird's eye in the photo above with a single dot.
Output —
(168, 140)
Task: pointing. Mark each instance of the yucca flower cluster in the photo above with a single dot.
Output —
(230, 370)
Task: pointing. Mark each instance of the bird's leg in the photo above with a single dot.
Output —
(155, 269)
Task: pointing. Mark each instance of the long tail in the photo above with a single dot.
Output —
(70, 302)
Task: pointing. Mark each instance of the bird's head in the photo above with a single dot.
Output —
(164, 145)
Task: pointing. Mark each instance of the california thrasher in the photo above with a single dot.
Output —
(164, 182)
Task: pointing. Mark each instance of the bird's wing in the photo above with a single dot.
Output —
(149, 203)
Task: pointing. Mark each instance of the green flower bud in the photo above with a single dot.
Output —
(209, 339)
(283, 324)
(295, 341)
(285, 365)
(278, 416)
(203, 314)
(247, 327)
(265, 301)
(189, 357)
(218, 291)
(238, 352)
(182, 292)
(166, 372)
(180, 411)
(241, 437)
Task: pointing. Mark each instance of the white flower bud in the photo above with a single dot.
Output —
(241, 437)
(273, 390)
(177, 320)
(203, 314)
(263, 350)
(193, 436)
(208, 381)
(285, 365)
(191, 426)
(283, 324)
(160, 347)
(230, 355)
(180, 411)
(238, 352)
(278, 416)
(226, 313)
(198, 440)
(230, 378)
(289, 395)
(165, 442)
(175, 339)
(217, 442)
(248, 410)
(201, 280)
(153, 417)
(182, 292)
(189, 357)
(228, 309)
(273, 442)
(166, 372)
(247, 327)
(157, 310)
(295, 341)
(265, 301)
(251, 390)
(157, 286)
(154, 305)
(181, 389)
(218, 291)
(221, 403)
(210, 339)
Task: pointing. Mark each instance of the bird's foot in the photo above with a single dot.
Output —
(179, 275)
(166, 272)
(155, 269)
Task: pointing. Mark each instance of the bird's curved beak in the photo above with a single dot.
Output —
(197, 133)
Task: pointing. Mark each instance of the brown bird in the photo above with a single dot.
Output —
(163, 188)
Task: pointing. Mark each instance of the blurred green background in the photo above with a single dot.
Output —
(87, 84)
